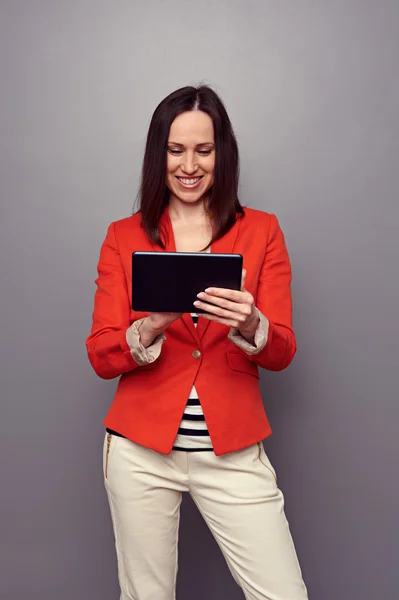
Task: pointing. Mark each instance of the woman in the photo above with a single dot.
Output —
(187, 415)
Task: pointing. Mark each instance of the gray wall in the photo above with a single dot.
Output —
(312, 89)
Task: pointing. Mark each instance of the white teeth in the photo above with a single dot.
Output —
(189, 181)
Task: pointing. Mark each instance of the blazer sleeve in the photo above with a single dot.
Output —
(274, 301)
(108, 351)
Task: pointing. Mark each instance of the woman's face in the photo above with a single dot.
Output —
(191, 156)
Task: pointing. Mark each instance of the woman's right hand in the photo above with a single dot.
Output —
(155, 324)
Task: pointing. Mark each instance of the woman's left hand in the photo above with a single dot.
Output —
(231, 308)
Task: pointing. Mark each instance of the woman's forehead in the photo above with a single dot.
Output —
(192, 126)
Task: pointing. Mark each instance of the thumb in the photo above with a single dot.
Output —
(243, 276)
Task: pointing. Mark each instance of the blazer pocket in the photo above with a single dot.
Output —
(238, 362)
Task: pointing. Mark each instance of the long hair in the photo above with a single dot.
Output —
(223, 205)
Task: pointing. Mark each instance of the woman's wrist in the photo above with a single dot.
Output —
(147, 333)
(248, 333)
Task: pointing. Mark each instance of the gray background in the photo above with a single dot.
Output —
(312, 90)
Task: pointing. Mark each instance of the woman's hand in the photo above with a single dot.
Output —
(155, 324)
(231, 308)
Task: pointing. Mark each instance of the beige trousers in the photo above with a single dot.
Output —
(236, 494)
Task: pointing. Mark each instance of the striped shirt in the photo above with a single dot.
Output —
(193, 435)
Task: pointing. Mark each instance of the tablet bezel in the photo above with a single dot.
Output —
(223, 268)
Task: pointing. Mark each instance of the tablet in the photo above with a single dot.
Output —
(170, 281)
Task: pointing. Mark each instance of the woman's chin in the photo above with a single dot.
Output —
(188, 197)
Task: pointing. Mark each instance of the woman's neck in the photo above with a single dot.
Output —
(191, 226)
(187, 212)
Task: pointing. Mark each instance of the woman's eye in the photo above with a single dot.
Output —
(177, 152)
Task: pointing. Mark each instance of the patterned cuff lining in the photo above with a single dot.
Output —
(142, 355)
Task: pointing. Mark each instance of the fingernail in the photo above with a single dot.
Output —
(197, 304)
(200, 295)
(209, 290)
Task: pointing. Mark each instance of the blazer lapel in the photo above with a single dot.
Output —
(224, 245)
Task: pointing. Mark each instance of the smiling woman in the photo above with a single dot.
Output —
(187, 414)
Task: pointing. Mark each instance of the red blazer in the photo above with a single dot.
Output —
(150, 400)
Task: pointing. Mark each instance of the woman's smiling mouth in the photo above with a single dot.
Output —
(189, 182)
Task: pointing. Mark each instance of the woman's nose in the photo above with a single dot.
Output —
(189, 165)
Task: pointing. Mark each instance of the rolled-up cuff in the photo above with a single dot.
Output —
(260, 337)
(142, 355)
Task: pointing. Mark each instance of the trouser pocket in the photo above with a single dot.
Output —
(265, 461)
(110, 442)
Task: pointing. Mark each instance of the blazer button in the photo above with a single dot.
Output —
(196, 354)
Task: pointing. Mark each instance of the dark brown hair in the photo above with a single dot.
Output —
(224, 204)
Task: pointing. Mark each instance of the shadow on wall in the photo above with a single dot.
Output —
(202, 568)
